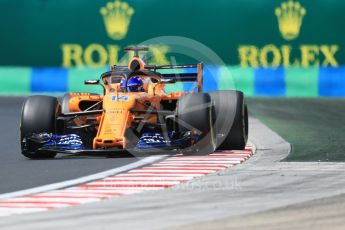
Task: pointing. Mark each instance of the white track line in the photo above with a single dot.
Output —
(33, 199)
(131, 184)
(69, 183)
(116, 189)
(130, 179)
(153, 178)
(165, 174)
(111, 192)
(190, 167)
(11, 211)
(229, 160)
(180, 171)
(34, 205)
(201, 164)
(204, 161)
(75, 195)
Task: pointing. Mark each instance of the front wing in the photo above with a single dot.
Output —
(151, 143)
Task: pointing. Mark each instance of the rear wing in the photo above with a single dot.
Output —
(181, 77)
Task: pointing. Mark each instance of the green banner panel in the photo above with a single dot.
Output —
(301, 82)
(247, 33)
(240, 79)
(15, 81)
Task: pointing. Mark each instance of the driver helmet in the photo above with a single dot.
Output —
(135, 84)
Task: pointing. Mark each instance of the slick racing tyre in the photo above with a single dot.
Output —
(65, 103)
(38, 116)
(231, 119)
(195, 113)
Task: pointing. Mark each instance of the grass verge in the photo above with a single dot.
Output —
(314, 127)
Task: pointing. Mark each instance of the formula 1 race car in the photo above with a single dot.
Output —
(136, 114)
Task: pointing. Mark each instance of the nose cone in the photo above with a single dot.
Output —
(114, 120)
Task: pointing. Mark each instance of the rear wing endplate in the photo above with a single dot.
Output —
(181, 77)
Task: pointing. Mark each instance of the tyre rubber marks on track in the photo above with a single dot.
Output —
(167, 173)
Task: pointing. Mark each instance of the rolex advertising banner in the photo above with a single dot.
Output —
(265, 47)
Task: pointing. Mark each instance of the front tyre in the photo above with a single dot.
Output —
(231, 119)
(195, 113)
(38, 115)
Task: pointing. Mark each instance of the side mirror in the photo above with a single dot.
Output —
(94, 82)
(168, 81)
(91, 82)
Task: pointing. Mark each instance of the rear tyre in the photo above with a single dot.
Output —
(231, 119)
(38, 115)
(65, 103)
(195, 113)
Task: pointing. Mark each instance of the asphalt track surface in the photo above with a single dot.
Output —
(262, 183)
(19, 173)
(320, 214)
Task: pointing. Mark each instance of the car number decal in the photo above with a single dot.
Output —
(121, 98)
